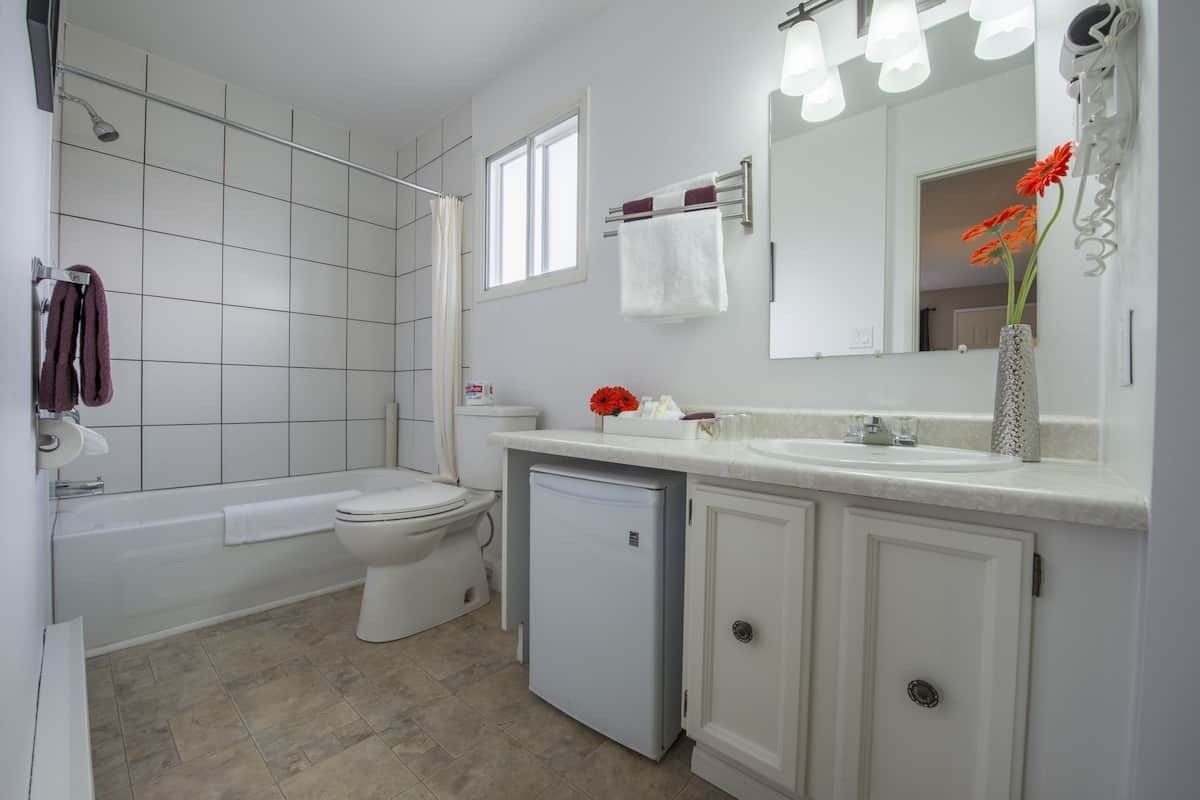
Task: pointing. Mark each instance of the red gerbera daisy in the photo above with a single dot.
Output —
(1050, 170)
(1027, 227)
(604, 402)
(992, 222)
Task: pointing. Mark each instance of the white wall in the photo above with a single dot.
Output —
(655, 119)
(829, 206)
(1168, 738)
(264, 304)
(24, 565)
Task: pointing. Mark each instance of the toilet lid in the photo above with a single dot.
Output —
(423, 500)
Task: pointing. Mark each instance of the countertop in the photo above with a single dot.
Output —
(1081, 492)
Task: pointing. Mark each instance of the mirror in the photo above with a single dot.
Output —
(868, 208)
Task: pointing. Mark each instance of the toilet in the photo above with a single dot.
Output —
(424, 564)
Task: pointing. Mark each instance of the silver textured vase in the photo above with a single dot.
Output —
(1016, 430)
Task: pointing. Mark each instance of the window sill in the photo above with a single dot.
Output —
(550, 280)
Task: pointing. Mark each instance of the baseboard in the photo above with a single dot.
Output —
(204, 623)
(731, 779)
(62, 756)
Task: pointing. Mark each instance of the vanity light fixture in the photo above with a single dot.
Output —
(1006, 36)
(825, 102)
(992, 10)
(804, 66)
(907, 72)
(894, 30)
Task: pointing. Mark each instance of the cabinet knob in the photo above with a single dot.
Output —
(924, 694)
(743, 631)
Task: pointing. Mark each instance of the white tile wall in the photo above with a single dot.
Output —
(257, 323)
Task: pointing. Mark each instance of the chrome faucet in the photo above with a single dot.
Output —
(64, 490)
(873, 430)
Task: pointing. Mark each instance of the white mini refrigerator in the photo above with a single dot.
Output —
(606, 600)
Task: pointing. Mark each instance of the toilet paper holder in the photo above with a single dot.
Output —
(48, 442)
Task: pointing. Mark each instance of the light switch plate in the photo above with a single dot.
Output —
(863, 338)
(1125, 348)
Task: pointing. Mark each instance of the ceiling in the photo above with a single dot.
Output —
(387, 67)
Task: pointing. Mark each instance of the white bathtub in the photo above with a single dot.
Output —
(144, 565)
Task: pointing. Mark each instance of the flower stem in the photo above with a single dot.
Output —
(1032, 268)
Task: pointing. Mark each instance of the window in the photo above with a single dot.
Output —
(532, 226)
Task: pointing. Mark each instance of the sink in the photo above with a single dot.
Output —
(830, 453)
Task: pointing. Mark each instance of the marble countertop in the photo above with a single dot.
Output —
(1081, 492)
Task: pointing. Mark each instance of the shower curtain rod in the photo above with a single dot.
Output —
(124, 87)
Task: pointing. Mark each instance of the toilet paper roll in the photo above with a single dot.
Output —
(61, 441)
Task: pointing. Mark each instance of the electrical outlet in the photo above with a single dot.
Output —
(862, 338)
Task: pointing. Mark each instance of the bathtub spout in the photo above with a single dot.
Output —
(66, 489)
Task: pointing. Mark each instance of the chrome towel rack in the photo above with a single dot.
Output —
(737, 180)
(44, 272)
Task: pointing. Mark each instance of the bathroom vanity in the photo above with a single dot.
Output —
(853, 633)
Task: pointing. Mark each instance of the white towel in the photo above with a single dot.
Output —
(280, 519)
(673, 267)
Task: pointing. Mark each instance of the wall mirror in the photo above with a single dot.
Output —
(868, 206)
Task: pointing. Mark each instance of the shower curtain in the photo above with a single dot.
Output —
(447, 327)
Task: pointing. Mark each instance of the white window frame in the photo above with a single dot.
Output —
(546, 280)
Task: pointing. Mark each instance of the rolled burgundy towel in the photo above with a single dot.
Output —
(95, 371)
(702, 194)
(58, 385)
(643, 206)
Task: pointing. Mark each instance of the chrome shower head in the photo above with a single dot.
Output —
(102, 128)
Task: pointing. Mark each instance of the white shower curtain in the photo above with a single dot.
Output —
(447, 326)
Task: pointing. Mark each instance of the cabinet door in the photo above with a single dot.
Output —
(747, 609)
(934, 659)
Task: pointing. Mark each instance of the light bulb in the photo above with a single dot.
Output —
(1006, 36)
(989, 10)
(907, 72)
(803, 59)
(894, 30)
(826, 101)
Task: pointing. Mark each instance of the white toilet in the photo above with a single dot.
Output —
(424, 565)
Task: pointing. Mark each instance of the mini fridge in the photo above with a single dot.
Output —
(606, 600)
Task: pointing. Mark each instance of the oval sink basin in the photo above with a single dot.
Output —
(830, 453)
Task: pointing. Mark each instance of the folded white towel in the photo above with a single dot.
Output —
(698, 182)
(673, 267)
(280, 519)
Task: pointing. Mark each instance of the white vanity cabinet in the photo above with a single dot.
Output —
(926, 645)
(748, 578)
(933, 658)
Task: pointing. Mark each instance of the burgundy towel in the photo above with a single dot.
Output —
(95, 372)
(58, 386)
(692, 197)
(76, 315)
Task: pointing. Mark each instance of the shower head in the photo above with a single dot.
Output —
(102, 128)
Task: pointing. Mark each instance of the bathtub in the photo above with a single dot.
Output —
(145, 565)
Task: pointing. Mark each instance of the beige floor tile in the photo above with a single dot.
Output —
(502, 696)
(258, 646)
(100, 684)
(561, 790)
(495, 770)
(206, 727)
(150, 750)
(167, 698)
(392, 697)
(164, 657)
(453, 724)
(337, 741)
(461, 655)
(108, 745)
(112, 782)
(235, 773)
(613, 771)
(418, 792)
(561, 741)
(365, 771)
(293, 695)
(283, 745)
(700, 789)
(422, 755)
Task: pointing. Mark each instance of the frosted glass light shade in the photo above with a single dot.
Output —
(826, 101)
(894, 30)
(907, 72)
(1006, 36)
(989, 10)
(803, 59)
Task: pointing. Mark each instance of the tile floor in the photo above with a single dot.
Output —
(288, 704)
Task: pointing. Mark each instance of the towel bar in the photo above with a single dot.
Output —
(43, 272)
(744, 176)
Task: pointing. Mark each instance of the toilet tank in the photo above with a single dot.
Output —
(480, 463)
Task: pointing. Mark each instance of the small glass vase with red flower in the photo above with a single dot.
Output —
(609, 401)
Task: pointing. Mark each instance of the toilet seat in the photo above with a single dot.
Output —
(414, 502)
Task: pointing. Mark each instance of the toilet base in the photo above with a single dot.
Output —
(404, 599)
